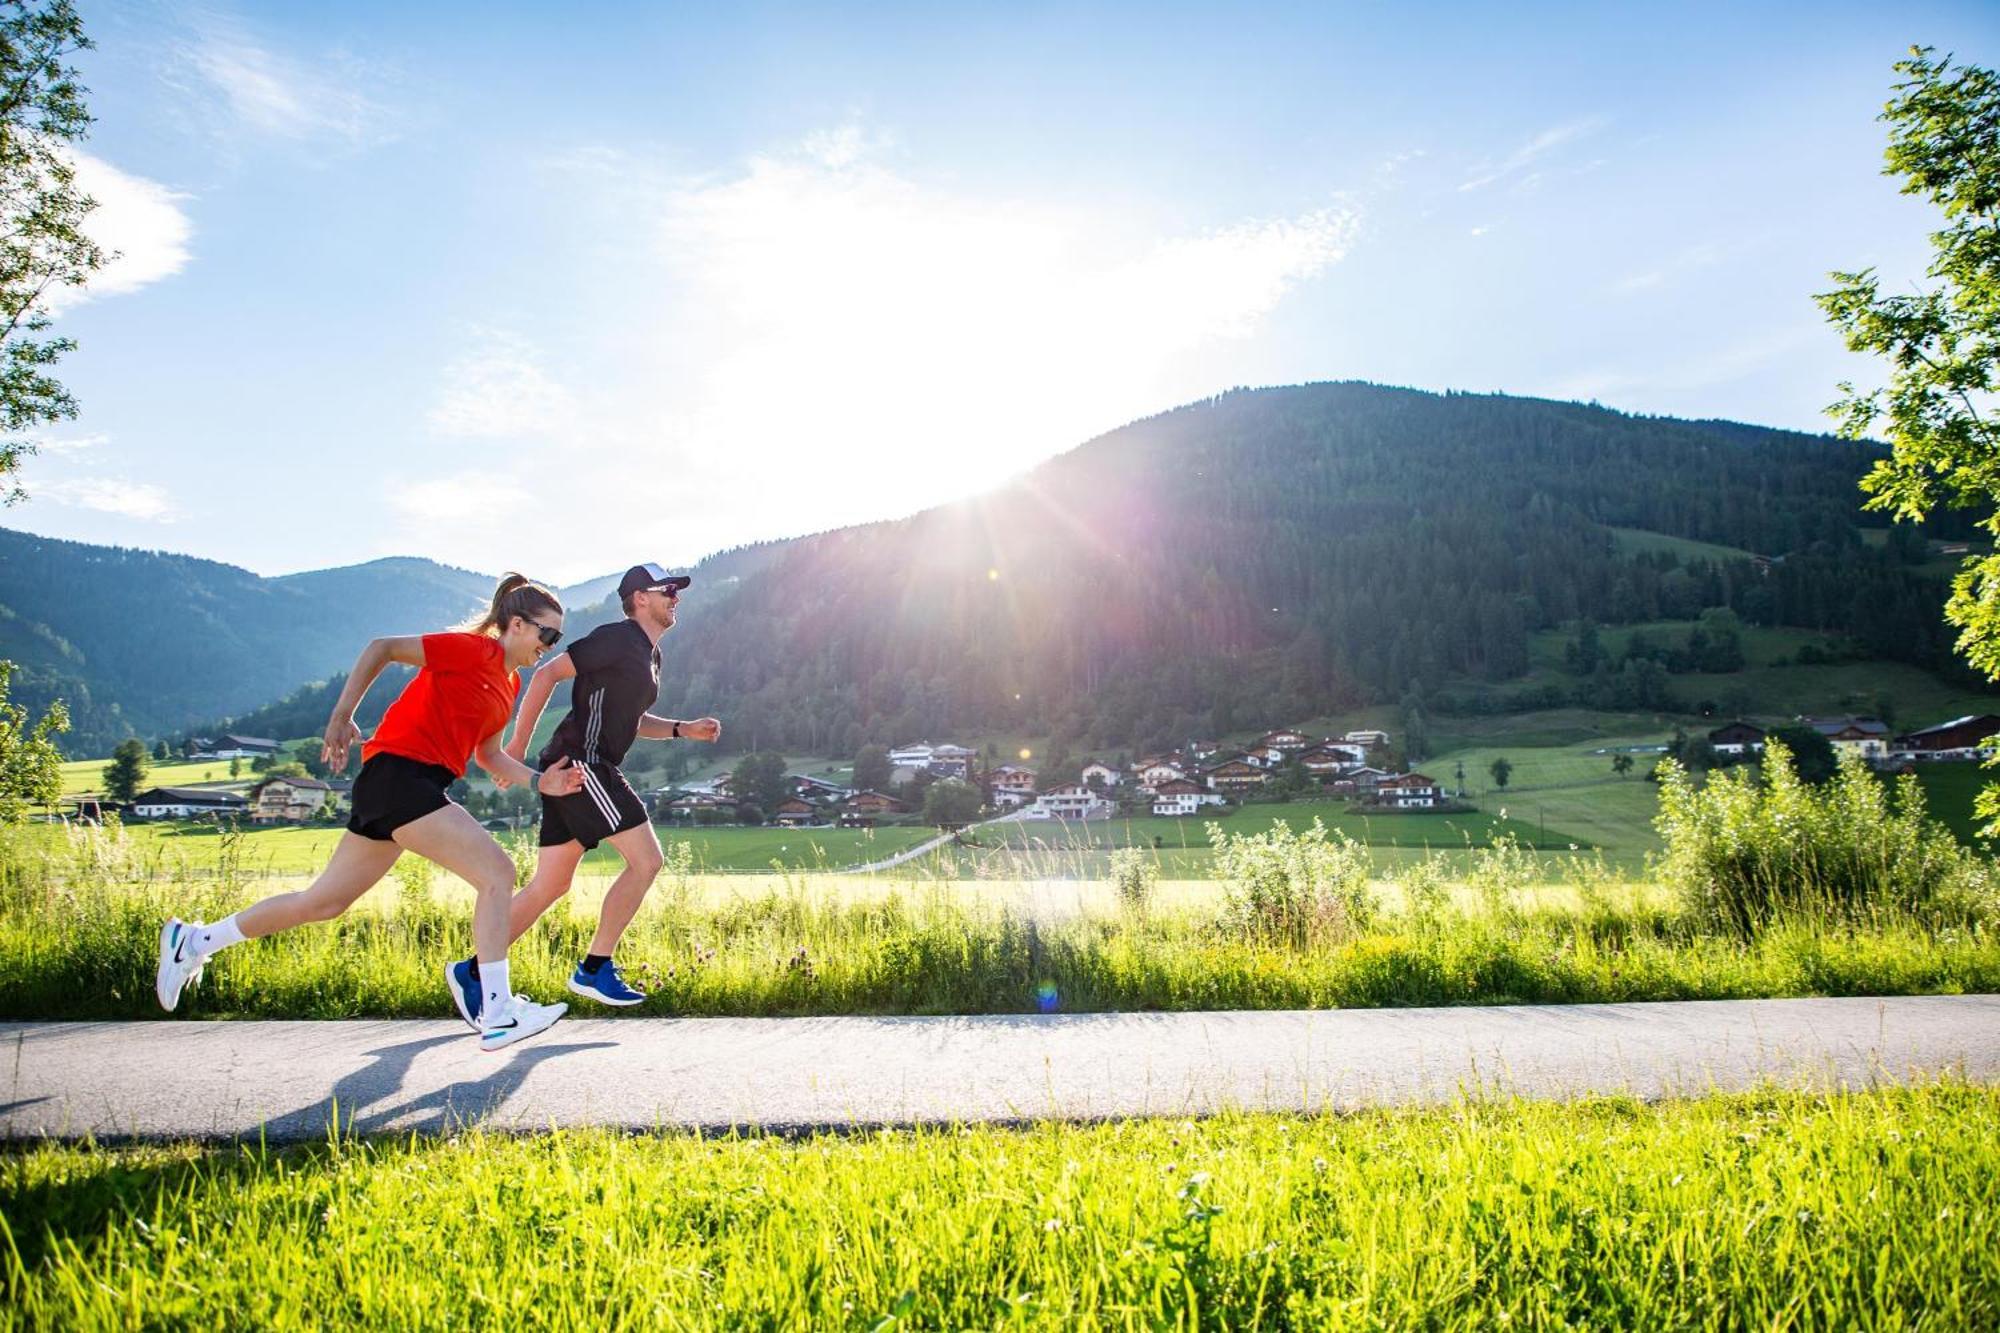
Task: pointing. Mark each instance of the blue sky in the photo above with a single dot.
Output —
(565, 287)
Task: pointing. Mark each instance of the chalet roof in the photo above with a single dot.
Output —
(1833, 726)
(1408, 780)
(188, 796)
(295, 780)
(1178, 787)
(1956, 723)
(232, 737)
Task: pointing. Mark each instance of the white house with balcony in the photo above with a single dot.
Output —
(1072, 801)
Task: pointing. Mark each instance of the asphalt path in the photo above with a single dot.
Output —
(288, 1081)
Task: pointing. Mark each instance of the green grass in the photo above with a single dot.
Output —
(78, 940)
(1639, 541)
(87, 775)
(1775, 1210)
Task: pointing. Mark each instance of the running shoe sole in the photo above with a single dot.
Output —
(537, 1020)
(578, 988)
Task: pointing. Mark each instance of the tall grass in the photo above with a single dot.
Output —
(79, 930)
(1748, 846)
(1871, 1210)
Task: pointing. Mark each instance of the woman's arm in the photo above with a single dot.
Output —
(340, 729)
(560, 778)
(540, 686)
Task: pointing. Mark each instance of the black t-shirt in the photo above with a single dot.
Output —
(617, 680)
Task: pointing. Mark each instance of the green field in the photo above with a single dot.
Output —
(1776, 1210)
(1639, 541)
(87, 775)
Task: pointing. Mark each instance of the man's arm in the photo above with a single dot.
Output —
(653, 728)
(540, 685)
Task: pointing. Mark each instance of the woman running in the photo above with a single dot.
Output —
(457, 706)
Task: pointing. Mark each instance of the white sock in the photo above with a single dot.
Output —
(493, 984)
(213, 939)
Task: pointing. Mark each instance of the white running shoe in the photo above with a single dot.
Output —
(518, 1020)
(180, 965)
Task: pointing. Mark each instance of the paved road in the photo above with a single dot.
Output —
(926, 848)
(224, 1080)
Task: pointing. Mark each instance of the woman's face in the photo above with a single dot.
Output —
(529, 638)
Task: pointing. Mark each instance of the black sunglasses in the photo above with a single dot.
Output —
(550, 635)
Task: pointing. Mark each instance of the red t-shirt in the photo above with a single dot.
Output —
(463, 694)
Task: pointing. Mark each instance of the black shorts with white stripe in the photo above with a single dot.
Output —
(605, 806)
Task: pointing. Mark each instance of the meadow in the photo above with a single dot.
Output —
(1871, 1209)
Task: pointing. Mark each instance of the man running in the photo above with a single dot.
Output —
(616, 668)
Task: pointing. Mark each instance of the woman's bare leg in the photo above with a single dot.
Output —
(454, 840)
(555, 869)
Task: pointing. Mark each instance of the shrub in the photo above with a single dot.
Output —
(1745, 847)
(1135, 875)
(1305, 888)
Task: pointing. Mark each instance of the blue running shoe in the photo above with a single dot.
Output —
(604, 986)
(463, 984)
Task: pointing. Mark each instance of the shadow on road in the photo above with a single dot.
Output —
(375, 1085)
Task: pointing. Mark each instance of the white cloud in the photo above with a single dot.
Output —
(499, 390)
(71, 445)
(109, 495)
(275, 94)
(815, 339)
(468, 497)
(1489, 172)
(139, 225)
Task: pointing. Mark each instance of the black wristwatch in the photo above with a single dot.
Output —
(677, 727)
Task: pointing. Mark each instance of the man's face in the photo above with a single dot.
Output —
(658, 606)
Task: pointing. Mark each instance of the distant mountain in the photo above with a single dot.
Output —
(1258, 557)
(151, 643)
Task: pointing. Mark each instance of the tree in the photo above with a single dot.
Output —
(43, 248)
(951, 804)
(126, 772)
(1501, 770)
(872, 768)
(1940, 345)
(306, 754)
(161, 753)
(1812, 754)
(1621, 764)
(759, 779)
(30, 763)
(236, 766)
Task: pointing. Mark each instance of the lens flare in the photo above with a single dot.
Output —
(1046, 998)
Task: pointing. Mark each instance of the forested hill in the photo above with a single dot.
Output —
(154, 643)
(1267, 555)
(1282, 553)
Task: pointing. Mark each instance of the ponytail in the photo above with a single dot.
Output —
(517, 595)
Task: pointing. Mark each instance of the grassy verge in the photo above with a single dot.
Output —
(1766, 1211)
(84, 946)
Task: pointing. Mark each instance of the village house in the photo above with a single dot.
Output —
(1011, 785)
(1184, 797)
(797, 812)
(1864, 736)
(186, 803)
(862, 809)
(916, 756)
(1368, 739)
(951, 761)
(1354, 780)
(1099, 774)
(1956, 739)
(244, 747)
(687, 806)
(1153, 772)
(1284, 740)
(1236, 775)
(288, 800)
(1070, 801)
(1737, 739)
(1409, 791)
(1329, 757)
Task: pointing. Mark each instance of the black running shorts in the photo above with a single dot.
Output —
(607, 805)
(393, 791)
